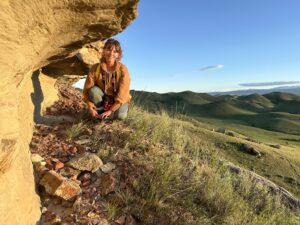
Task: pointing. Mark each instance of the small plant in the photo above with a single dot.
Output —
(110, 209)
(104, 151)
(126, 197)
(75, 130)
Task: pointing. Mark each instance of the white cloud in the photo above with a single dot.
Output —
(211, 67)
(260, 84)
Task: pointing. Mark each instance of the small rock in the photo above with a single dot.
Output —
(102, 221)
(275, 146)
(230, 133)
(69, 172)
(108, 183)
(58, 185)
(54, 160)
(120, 220)
(108, 167)
(83, 141)
(36, 158)
(40, 170)
(58, 165)
(86, 162)
(93, 215)
(38, 164)
(86, 183)
(49, 164)
(88, 131)
(83, 137)
(220, 130)
(250, 150)
(44, 209)
(85, 176)
(56, 128)
(130, 221)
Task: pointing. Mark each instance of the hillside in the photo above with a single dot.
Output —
(159, 169)
(274, 111)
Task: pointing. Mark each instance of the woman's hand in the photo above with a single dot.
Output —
(93, 112)
(105, 114)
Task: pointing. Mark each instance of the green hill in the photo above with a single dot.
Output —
(257, 100)
(275, 111)
(292, 106)
(217, 109)
(279, 97)
(278, 121)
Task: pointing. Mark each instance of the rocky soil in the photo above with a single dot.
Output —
(74, 183)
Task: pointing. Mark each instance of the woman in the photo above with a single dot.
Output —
(107, 86)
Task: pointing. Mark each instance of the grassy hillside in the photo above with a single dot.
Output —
(257, 100)
(186, 184)
(278, 97)
(172, 170)
(275, 111)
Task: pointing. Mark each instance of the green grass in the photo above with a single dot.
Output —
(110, 210)
(75, 130)
(185, 182)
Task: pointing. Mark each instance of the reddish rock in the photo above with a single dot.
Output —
(59, 165)
(108, 183)
(49, 164)
(58, 185)
(130, 221)
(120, 220)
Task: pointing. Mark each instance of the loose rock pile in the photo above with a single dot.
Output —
(70, 102)
(73, 182)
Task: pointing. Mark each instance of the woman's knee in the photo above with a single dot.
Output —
(121, 113)
(95, 94)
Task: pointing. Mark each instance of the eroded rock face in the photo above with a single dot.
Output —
(35, 33)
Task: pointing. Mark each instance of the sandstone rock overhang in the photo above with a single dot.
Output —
(35, 33)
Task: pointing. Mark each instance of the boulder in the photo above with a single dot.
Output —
(220, 130)
(58, 185)
(250, 150)
(287, 198)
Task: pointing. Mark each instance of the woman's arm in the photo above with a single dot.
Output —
(89, 83)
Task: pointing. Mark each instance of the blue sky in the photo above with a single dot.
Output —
(212, 45)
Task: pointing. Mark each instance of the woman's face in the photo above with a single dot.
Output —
(111, 54)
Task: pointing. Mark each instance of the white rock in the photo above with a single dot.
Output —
(108, 167)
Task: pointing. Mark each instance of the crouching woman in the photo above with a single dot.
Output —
(107, 87)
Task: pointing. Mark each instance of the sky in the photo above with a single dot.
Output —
(213, 45)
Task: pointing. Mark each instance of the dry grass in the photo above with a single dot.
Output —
(75, 130)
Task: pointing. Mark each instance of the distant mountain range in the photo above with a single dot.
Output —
(286, 89)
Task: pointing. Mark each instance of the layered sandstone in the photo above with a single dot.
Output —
(35, 33)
